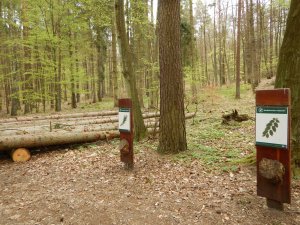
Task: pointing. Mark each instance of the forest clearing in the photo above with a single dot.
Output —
(210, 183)
(149, 112)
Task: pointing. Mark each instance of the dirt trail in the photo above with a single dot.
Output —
(90, 186)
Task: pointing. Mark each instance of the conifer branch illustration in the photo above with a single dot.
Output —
(271, 128)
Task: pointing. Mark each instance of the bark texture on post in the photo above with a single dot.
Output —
(288, 72)
(172, 136)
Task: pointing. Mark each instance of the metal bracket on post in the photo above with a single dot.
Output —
(273, 148)
(126, 132)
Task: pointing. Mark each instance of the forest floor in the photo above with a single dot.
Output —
(211, 183)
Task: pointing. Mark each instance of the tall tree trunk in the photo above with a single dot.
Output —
(215, 50)
(221, 49)
(254, 72)
(128, 72)
(2, 61)
(72, 75)
(271, 40)
(14, 68)
(192, 52)
(288, 72)
(27, 58)
(205, 50)
(238, 52)
(172, 135)
(114, 61)
(101, 60)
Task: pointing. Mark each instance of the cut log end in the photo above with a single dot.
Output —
(272, 170)
(20, 155)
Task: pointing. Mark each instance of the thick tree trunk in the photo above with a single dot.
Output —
(128, 72)
(288, 72)
(172, 137)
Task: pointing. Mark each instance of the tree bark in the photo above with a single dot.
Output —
(114, 61)
(172, 137)
(238, 52)
(27, 56)
(288, 72)
(128, 72)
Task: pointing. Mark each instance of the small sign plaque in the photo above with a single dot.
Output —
(272, 126)
(124, 119)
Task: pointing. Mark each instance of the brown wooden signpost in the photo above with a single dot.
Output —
(126, 132)
(273, 149)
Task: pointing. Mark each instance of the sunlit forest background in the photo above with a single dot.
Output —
(58, 54)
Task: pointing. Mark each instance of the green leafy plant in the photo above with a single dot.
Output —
(271, 128)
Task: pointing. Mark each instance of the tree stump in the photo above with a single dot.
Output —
(20, 155)
(234, 116)
(272, 170)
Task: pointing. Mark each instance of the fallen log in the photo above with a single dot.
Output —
(69, 121)
(58, 116)
(79, 126)
(59, 137)
(31, 141)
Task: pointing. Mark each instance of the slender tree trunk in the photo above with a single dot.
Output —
(215, 50)
(114, 61)
(192, 52)
(128, 72)
(271, 40)
(205, 50)
(14, 68)
(28, 92)
(254, 71)
(58, 90)
(72, 75)
(238, 52)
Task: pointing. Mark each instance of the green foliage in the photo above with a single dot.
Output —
(229, 91)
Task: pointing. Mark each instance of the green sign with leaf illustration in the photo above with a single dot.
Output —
(272, 126)
(124, 119)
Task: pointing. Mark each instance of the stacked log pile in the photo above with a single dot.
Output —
(38, 131)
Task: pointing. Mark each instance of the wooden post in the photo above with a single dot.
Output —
(126, 132)
(273, 148)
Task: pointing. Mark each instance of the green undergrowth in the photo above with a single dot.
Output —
(218, 146)
(105, 104)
